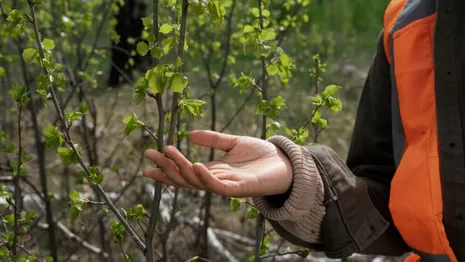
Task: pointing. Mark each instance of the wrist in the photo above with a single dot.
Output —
(288, 171)
(305, 193)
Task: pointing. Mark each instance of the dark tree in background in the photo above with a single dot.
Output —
(129, 25)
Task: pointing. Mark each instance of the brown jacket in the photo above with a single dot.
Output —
(356, 216)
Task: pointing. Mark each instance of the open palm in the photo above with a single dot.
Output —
(251, 166)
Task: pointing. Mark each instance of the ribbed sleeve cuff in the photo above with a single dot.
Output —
(303, 211)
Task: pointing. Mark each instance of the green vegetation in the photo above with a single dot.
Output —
(72, 144)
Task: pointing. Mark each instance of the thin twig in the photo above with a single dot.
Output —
(150, 132)
(97, 37)
(264, 83)
(87, 201)
(180, 51)
(69, 234)
(68, 139)
(148, 252)
(17, 206)
(311, 117)
(238, 111)
(282, 254)
(103, 214)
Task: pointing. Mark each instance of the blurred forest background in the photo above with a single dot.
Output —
(96, 63)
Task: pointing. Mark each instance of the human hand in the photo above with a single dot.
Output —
(251, 167)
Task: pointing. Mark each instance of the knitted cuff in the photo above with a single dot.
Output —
(303, 211)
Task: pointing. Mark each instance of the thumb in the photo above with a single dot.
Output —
(213, 139)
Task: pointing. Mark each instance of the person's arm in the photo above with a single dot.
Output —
(353, 216)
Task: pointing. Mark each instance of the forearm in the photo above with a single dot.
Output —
(352, 212)
(357, 211)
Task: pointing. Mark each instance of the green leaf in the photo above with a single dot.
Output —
(9, 219)
(95, 177)
(256, 12)
(148, 22)
(2, 72)
(67, 155)
(334, 104)
(264, 50)
(248, 29)
(49, 44)
(151, 38)
(279, 101)
(31, 55)
(178, 82)
(43, 82)
(156, 79)
(25, 157)
(53, 137)
(140, 90)
(194, 106)
(3, 251)
(5, 144)
(14, 166)
(10, 237)
(178, 62)
(84, 108)
(142, 48)
(76, 204)
(168, 44)
(73, 116)
(235, 204)
(27, 219)
(285, 60)
(74, 212)
(317, 121)
(132, 123)
(304, 253)
(166, 29)
(118, 229)
(4, 193)
(84, 76)
(137, 212)
(272, 69)
(58, 67)
(252, 213)
(16, 19)
(330, 90)
(317, 100)
(288, 131)
(197, 6)
(59, 78)
(216, 10)
(74, 195)
(266, 13)
(244, 82)
(268, 34)
(157, 52)
(19, 94)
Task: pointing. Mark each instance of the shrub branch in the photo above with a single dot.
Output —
(69, 141)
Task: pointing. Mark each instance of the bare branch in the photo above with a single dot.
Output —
(69, 234)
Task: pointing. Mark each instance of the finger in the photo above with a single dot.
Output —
(168, 167)
(213, 139)
(214, 184)
(158, 175)
(184, 165)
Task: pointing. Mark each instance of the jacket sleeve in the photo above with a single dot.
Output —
(356, 217)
